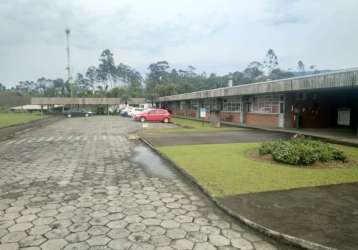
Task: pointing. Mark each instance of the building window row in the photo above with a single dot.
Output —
(232, 105)
(265, 104)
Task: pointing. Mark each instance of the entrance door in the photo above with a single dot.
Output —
(281, 116)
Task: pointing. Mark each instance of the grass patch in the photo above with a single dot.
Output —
(226, 169)
(9, 119)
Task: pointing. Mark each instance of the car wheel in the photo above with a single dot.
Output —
(166, 120)
(142, 119)
(86, 115)
(69, 116)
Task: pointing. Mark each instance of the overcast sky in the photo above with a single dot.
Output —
(212, 35)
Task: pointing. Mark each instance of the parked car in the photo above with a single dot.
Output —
(77, 113)
(125, 111)
(135, 111)
(153, 115)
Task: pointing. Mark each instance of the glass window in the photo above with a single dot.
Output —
(232, 105)
(265, 104)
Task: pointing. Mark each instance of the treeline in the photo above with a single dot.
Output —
(109, 79)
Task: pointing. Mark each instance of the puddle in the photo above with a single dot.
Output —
(151, 163)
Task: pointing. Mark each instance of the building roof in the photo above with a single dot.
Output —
(83, 101)
(347, 78)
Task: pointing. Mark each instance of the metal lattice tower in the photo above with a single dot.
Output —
(68, 68)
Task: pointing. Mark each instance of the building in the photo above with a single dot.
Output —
(327, 100)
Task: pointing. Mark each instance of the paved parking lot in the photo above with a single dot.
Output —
(71, 185)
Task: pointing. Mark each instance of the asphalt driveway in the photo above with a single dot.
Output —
(188, 138)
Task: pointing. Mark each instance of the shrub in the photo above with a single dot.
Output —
(301, 151)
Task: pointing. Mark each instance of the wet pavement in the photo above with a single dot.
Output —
(81, 184)
(247, 135)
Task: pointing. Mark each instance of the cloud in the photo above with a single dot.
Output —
(213, 35)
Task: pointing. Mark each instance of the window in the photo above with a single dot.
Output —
(232, 105)
(265, 104)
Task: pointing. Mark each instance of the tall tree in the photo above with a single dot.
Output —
(300, 67)
(2, 87)
(271, 62)
(107, 71)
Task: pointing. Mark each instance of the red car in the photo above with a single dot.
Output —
(153, 115)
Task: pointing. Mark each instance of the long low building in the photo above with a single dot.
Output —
(84, 101)
(326, 100)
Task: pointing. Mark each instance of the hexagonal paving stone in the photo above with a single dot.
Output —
(139, 237)
(55, 244)
(204, 246)
(33, 240)
(98, 230)
(183, 218)
(169, 224)
(6, 224)
(133, 218)
(120, 244)
(26, 218)
(210, 230)
(77, 246)
(117, 224)
(20, 227)
(13, 237)
(155, 230)
(47, 213)
(148, 214)
(79, 227)
(100, 240)
(221, 224)
(81, 218)
(218, 240)
(160, 240)
(57, 233)
(182, 244)
(197, 237)
(77, 237)
(151, 222)
(241, 244)
(118, 233)
(43, 221)
(136, 227)
(190, 227)
(176, 233)
(231, 234)
(38, 230)
(9, 246)
(115, 216)
(99, 221)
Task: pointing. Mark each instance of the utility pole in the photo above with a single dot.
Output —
(68, 68)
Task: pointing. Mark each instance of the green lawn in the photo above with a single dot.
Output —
(225, 169)
(8, 119)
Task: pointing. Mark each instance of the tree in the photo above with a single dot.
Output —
(253, 71)
(91, 75)
(271, 62)
(2, 87)
(107, 71)
(300, 67)
(280, 74)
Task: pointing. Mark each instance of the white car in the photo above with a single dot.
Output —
(126, 110)
(135, 111)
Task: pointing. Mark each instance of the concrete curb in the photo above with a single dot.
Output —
(8, 132)
(288, 239)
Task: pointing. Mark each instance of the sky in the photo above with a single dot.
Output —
(218, 36)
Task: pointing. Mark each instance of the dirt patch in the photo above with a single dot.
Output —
(253, 154)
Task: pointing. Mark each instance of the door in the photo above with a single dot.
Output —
(281, 115)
